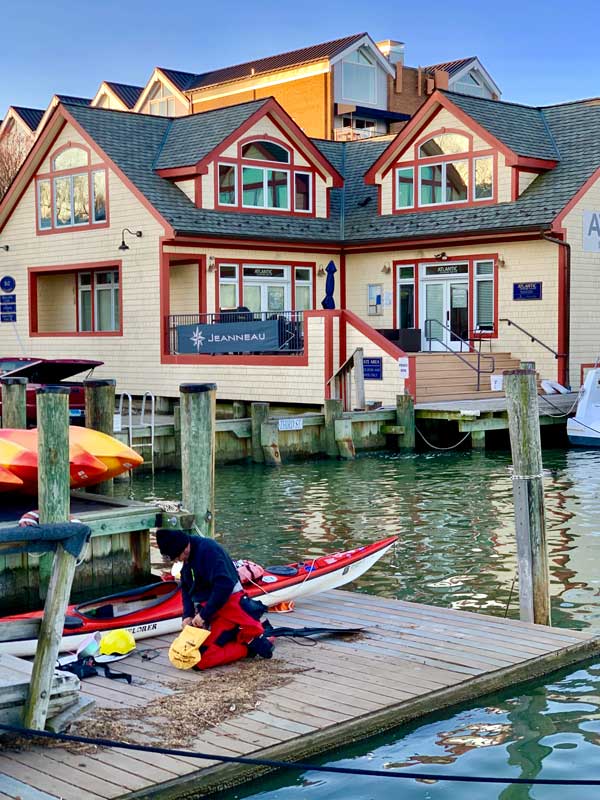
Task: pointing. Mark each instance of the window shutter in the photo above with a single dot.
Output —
(485, 304)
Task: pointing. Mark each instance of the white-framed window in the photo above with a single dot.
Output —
(98, 301)
(406, 297)
(444, 183)
(161, 102)
(265, 188)
(303, 288)
(359, 77)
(484, 295)
(227, 185)
(228, 286)
(405, 187)
(303, 192)
(483, 178)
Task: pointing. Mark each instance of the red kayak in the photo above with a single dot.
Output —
(156, 609)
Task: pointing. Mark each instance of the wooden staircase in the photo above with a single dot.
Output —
(443, 376)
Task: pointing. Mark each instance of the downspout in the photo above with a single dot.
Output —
(564, 343)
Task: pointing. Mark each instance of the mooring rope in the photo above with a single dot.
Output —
(297, 765)
(433, 447)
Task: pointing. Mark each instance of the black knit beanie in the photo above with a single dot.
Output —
(171, 543)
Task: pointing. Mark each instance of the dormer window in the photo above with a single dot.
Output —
(359, 77)
(264, 179)
(446, 172)
(73, 193)
(161, 102)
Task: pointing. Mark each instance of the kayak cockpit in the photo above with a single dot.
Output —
(133, 601)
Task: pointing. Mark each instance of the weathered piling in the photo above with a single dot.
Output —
(14, 402)
(405, 418)
(54, 499)
(528, 491)
(259, 413)
(100, 416)
(240, 409)
(198, 417)
(334, 410)
(269, 437)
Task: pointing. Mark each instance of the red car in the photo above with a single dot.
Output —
(50, 371)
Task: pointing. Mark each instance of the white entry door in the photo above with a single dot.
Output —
(446, 314)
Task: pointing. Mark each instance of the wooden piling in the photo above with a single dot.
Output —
(528, 491)
(100, 416)
(405, 417)
(198, 419)
(14, 402)
(334, 410)
(269, 437)
(53, 500)
(240, 410)
(259, 413)
(343, 438)
(478, 440)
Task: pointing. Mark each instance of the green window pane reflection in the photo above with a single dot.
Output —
(253, 187)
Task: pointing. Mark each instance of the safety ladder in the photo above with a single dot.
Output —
(144, 422)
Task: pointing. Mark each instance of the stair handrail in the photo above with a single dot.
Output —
(129, 424)
(532, 337)
(342, 378)
(480, 355)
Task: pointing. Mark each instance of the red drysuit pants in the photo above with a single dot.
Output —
(228, 617)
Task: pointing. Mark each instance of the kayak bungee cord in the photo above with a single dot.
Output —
(297, 765)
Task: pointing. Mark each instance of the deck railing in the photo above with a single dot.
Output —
(288, 330)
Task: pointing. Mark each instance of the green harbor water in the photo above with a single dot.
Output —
(454, 516)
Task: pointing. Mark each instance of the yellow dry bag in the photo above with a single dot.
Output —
(184, 653)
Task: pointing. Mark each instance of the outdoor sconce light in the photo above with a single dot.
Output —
(386, 269)
(443, 256)
(124, 246)
(211, 264)
(500, 263)
(321, 271)
(4, 247)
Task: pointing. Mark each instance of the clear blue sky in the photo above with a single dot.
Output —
(538, 52)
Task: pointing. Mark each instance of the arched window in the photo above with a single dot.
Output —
(446, 171)
(73, 193)
(264, 178)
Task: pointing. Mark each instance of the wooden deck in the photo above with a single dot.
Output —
(413, 660)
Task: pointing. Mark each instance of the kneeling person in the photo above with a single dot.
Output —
(213, 599)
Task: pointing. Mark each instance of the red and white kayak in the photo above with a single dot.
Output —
(156, 609)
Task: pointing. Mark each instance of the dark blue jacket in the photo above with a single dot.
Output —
(208, 578)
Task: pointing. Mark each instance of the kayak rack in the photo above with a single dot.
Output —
(141, 427)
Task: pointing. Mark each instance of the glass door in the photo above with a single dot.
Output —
(435, 316)
(446, 314)
(458, 314)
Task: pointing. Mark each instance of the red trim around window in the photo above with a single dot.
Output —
(71, 269)
(89, 169)
(470, 261)
(240, 263)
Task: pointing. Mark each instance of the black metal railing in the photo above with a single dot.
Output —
(290, 328)
(469, 349)
(533, 338)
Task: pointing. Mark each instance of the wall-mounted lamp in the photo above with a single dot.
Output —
(211, 264)
(124, 246)
(321, 271)
(386, 269)
(443, 256)
(500, 263)
(4, 247)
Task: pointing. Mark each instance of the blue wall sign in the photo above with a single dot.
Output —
(7, 299)
(228, 337)
(7, 317)
(373, 368)
(7, 283)
(527, 291)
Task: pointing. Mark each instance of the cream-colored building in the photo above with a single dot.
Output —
(227, 246)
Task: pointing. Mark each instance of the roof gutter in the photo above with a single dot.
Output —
(564, 307)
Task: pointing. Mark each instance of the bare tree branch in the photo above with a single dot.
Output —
(13, 149)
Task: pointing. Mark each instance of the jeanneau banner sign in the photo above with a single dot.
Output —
(228, 337)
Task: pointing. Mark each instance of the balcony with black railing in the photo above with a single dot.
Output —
(237, 332)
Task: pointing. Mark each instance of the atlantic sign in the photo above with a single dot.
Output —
(228, 337)
(591, 231)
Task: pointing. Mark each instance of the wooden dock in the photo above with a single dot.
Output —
(414, 659)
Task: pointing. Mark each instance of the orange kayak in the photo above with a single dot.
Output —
(8, 481)
(93, 457)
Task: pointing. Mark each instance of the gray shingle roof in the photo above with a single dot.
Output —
(191, 138)
(522, 128)
(138, 142)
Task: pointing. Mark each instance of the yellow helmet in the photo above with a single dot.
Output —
(118, 642)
